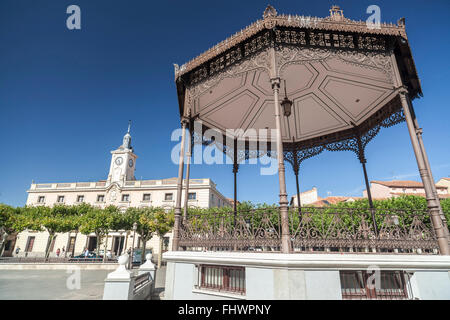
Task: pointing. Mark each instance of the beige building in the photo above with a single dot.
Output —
(120, 189)
(395, 188)
(311, 198)
(306, 198)
(444, 182)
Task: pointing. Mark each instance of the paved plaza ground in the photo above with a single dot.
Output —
(51, 285)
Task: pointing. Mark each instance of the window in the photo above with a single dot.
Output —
(71, 245)
(41, 199)
(60, 199)
(29, 246)
(146, 197)
(80, 199)
(101, 198)
(8, 245)
(168, 196)
(222, 278)
(392, 286)
(192, 196)
(125, 197)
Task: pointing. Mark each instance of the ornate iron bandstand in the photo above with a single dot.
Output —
(342, 81)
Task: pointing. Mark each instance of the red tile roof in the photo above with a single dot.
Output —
(231, 201)
(441, 196)
(403, 184)
(332, 200)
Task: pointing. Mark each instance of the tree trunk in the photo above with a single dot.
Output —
(74, 244)
(160, 251)
(144, 243)
(99, 239)
(49, 241)
(106, 246)
(126, 243)
(2, 244)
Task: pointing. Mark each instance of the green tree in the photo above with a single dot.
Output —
(163, 223)
(57, 219)
(98, 221)
(8, 223)
(79, 211)
(143, 218)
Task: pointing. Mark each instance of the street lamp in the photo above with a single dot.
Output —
(132, 248)
(286, 104)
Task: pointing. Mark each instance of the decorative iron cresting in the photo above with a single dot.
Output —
(334, 31)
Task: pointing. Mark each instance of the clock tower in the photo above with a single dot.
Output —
(123, 162)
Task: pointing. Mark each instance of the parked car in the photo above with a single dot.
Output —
(91, 255)
(108, 253)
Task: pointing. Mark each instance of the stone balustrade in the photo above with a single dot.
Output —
(123, 284)
(102, 184)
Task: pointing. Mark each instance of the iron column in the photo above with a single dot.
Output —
(419, 132)
(176, 227)
(188, 166)
(296, 168)
(433, 207)
(362, 160)
(285, 238)
(235, 171)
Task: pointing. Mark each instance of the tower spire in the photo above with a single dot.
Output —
(127, 138)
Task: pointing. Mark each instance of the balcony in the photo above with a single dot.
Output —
(313, 230)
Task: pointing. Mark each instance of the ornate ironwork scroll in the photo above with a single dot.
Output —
(296, 156)
(317, 230)
(291, 29)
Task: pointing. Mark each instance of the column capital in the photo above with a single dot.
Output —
(362, 158)
(402, 90)
(419, 131)
(184, 120)
(275, 83)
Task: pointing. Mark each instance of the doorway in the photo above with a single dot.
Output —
(118, 244)
(9, 245)
(92, 243)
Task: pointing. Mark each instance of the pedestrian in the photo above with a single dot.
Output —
(17, 251)
(86, 252)
(63, 251)
(58, 251)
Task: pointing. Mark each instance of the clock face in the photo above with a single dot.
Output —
(130, 163)
(119, 161)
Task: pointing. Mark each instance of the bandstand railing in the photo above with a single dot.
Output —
(312, 229)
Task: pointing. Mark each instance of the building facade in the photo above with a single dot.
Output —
(120, 189)
(444, 182)
(306, 198)
(396, 188)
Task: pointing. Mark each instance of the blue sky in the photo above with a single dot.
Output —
(66, 96)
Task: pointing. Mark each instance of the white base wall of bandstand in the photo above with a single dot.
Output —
(301, 276)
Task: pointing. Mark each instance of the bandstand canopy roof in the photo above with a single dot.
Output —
(340, 74)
